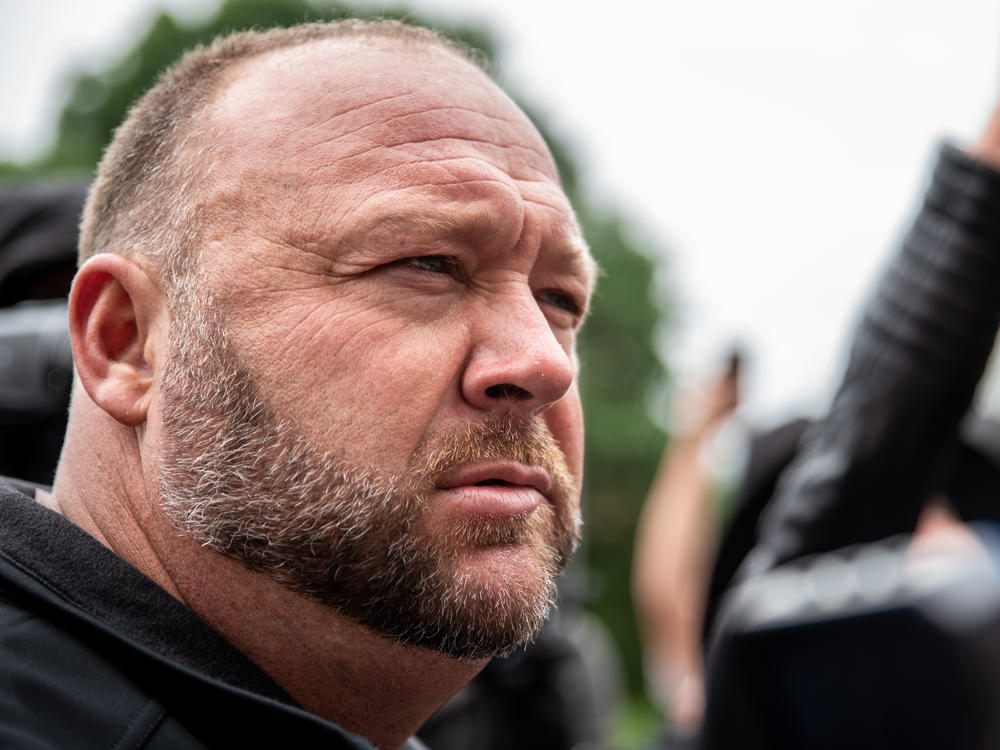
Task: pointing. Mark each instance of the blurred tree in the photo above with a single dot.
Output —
(620, 366)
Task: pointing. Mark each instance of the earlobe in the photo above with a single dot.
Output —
(115, 312)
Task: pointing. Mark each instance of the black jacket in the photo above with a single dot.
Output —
(864, 472)
(830, 651)
(95, 655)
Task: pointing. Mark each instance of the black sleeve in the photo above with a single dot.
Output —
(864, 471)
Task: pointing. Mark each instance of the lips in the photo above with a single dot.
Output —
(497, 488)
(502, 474)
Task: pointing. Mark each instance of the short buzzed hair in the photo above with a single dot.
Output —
(145, 199)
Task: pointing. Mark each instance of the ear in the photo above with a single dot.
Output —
(117, 323)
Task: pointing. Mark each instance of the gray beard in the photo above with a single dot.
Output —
(241, 481)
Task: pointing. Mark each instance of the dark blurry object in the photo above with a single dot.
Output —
(770, 452)
(970, 480)
(734, 363)
(36, 362)
(557, 694)
(867, 648)
(38, 229)
(36, 372)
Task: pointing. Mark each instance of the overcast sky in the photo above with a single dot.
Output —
(771, 150)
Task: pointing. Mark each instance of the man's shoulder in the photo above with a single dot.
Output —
(92, 651)
(46, 657)
(85, 698)
(63, 687)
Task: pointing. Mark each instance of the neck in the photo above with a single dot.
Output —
(333, 667)
(111, 504)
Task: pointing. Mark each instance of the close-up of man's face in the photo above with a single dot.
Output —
(370, 393)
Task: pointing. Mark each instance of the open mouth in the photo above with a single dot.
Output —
(490, 482)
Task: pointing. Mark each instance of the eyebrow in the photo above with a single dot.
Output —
(573, 251)
(448, 223)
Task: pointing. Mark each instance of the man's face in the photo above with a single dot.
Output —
(378, 406)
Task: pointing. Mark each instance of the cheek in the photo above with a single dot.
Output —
(362, 385)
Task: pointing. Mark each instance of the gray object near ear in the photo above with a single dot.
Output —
(36, 361)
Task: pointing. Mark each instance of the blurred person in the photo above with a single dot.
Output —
(675, 544)
(893, 438)
(324, 448)
(866, 470)
(677, 612)
(890, 442)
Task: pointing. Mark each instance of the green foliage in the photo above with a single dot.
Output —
(619, 364)
(637, 725)
(11, 171)
(623, 446)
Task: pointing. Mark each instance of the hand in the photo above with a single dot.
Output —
(700, 410)
(988, 147)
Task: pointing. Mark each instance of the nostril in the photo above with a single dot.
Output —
(508, 391)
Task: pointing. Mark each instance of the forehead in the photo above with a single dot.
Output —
(366, 116)
(345, 99)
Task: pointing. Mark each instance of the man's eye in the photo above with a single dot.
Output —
(562, 300)
(431, 263)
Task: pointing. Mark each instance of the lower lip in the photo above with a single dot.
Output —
(497, 500)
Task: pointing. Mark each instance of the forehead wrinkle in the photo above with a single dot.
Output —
(420, 110)
(440, 161)
(470, 139)
(540, 164)
(242, 81)
(461, 134)
(416, 217)
(219, 108)
(458, 166)
(358, 108)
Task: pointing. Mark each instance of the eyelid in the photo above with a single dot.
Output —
(576, 308)
(423, 262)
(449, 264)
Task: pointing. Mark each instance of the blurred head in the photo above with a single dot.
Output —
(373, 282)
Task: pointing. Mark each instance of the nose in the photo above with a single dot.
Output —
(517, 364)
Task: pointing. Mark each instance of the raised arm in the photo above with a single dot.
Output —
(920, 349)
(675, 542)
